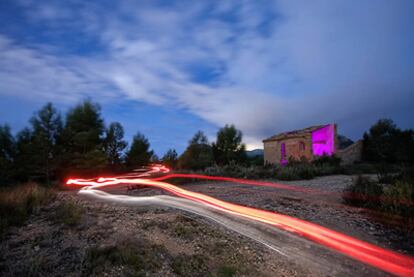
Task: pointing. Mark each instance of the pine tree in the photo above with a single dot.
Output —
(229, 147)
(170, 158)
(114, 144)
(47, 128)
(198, 154)
(7, 155)
(139, 153)
(83, 141)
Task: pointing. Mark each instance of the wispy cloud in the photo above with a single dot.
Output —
(264, 67)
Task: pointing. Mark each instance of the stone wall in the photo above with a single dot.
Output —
(272, 152)
(351, 154)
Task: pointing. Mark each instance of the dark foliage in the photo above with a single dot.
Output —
(393, 193)
(7, 155)
(170, 159)
(47, 128)
(114, 144)
(386, 143)
(228, 146)
(364, 192)
(139, 154)
(198, 154)
(83, 142)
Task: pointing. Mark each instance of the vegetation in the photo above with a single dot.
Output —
(114, 144)
(229, 147)
(51, 148)
(198, 154)
(390, 193)
(137, 256)
(139, 154)
(17, 203)
(7, 154)
(68, 213)
(385, 143)
(170, 159)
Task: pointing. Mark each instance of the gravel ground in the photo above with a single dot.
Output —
(323, 207)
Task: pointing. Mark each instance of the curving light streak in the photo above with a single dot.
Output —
(367, 253)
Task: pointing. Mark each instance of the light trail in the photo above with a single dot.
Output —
(367, 253)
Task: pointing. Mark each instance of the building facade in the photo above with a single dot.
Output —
(309, 143)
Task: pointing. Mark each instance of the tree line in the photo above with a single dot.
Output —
(53, 148)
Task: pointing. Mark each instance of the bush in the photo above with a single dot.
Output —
(226, 271)
(399, 199)
(69, 213)
(137, 258)
(17, 203)
(363, 193)
(360, 168)
(326, 160)
(189, 265)
(296, 172)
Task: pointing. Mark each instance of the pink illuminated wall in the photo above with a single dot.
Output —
(323, 141)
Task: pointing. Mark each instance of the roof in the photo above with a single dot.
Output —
(294, 133)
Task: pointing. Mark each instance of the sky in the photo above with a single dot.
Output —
(169, 68)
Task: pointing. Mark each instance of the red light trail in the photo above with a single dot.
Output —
(367, 253)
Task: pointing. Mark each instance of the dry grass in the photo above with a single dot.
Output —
(17, 203)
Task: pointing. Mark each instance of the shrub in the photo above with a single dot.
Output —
(17, 203)
(296, 172)
(69, 213)
(360, 168)
(399, 199)
(327, 160)
(226, 271)
(138, 257)
(189, 265)
(363, 192)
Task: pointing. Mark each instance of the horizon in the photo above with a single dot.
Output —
(168, 70)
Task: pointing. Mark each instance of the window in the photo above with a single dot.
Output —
(302, 146)
(283, 154)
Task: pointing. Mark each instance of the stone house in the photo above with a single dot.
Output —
(310, 142)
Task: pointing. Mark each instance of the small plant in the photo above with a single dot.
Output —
(399, 199)
(226, 271)
(189, 265)
(69, 213)
(138, 257)
(364, 193)
(327, 160)
(17, 203)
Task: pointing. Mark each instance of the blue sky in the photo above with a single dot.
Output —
(170, 68)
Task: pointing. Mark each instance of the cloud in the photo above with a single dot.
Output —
(265, 67)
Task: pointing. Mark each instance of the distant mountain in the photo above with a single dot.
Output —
(254, 153)
(344, 142)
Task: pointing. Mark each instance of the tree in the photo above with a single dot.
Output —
(83, 142)
(170, 158)
(25, 155)
(47, 128)
(386, 143)
(7, 154)
(154, 159)
(198, 154)
(229, 147)
(139, 153)
(114, 143)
